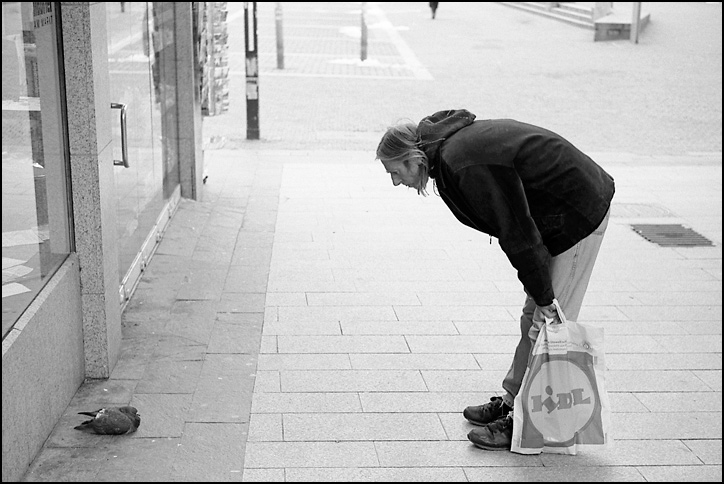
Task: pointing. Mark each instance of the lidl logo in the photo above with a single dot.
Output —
(561, 399)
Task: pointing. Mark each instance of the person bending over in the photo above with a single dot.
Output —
(546, 202)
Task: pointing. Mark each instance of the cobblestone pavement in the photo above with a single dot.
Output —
(660, 96)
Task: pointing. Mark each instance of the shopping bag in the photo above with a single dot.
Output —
(562, 406)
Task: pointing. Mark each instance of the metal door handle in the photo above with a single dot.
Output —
(124, 135)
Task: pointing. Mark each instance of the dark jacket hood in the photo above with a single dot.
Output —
(434, 129)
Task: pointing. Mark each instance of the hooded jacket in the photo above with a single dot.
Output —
(527, 186)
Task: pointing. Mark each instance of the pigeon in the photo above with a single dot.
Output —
(111, 421)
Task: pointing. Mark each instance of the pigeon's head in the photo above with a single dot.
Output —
(132, 411)
(133, 414)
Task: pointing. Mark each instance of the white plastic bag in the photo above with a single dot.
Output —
(562, 405)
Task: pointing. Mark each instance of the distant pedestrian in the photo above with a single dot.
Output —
(546, 202)
(433, 7)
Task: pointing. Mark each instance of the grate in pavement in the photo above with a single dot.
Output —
(671, 235)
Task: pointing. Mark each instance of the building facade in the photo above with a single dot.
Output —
(101, 137)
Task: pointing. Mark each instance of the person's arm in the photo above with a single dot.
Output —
(495, 194)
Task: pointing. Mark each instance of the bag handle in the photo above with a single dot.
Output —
(559, 310)
(556, 334)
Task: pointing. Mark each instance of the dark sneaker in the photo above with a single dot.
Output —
(487, 413)
(494, 436)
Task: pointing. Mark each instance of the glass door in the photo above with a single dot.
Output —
(140, 39)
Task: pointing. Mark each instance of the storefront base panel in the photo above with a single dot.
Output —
(43, 367)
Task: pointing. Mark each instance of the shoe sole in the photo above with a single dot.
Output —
(487, 447)
(478, 423)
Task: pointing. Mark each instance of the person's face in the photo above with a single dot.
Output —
(404, 172)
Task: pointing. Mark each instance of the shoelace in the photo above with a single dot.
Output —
(490, 409)
(502, 423)
(497, 404)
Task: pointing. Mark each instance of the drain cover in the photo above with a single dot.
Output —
(674, 235)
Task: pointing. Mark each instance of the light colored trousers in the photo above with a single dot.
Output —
(570, 273)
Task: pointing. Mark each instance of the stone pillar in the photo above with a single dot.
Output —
(189, 118)
(93, 187)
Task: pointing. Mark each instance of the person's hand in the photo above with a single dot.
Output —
(550, 312)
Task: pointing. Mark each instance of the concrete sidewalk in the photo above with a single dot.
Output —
(309, 321)
(306, 320)
(384, 318)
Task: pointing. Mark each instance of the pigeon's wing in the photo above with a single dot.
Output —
(86, 426)
(91, 414)
(112, 422)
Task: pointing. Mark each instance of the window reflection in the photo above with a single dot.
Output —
(35, 216)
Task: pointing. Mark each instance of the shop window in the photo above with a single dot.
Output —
(35, 198)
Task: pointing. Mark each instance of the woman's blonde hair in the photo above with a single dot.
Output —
(400, 144)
